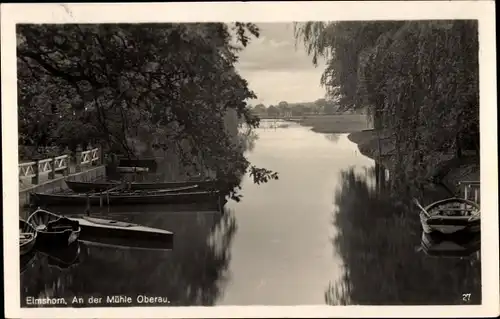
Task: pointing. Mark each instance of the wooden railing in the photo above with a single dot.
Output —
(59, 164)
(471, 186)
(87, 157)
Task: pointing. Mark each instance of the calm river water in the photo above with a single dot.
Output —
(275, 247)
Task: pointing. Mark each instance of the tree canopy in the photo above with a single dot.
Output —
(417, 78)
(167, 85)
(260, 108)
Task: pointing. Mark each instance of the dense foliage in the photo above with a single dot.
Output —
(418, 79)
(419, 82)
(167, 86)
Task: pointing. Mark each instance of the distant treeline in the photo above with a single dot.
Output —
(418, 79)
(283, 108)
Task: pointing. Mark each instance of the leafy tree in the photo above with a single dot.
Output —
(329, 107)
(321, 104)
(260, 109)
(307, 109)
(298, 110)
(273, 110)
(419, 79)
(283, 107)
(168, 85)
(340, 43)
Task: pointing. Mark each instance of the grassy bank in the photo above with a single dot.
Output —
(379, 145)
(344, 123)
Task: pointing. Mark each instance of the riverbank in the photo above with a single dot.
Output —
(380, 237)
(446, 169)
(336, 124)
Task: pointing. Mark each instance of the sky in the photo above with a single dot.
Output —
(277, 69)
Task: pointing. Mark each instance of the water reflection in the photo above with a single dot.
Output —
(462, 245)
(193, 273)
(27, 261)
(248, 137)
(282, 252)
(62, 258)
(279, 251)
(333, 137)
(376, 241)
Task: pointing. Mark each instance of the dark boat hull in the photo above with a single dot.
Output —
(85, 187)
(461, 244)
(125, 234)
(53, 231)
(62, 239)
(127, 245)
(149, 163)
(118, 199)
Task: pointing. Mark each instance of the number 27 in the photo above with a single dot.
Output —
(466, 297)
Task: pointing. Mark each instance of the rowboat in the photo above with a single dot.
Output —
(62, 258)
(84, 187)
(122, 234)
(145, 162)
(124, 198)
(451, 215)
(53, 230)
(117, 191)
(27, 237)
(127, 245)
(131, 169)
(440, 245)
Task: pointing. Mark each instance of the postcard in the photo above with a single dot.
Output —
(250, 159)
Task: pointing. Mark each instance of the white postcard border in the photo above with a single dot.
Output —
(484, 11)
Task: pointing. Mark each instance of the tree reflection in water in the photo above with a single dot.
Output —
(377, 243)
(333, 137)
(193, 273)
(247, 137)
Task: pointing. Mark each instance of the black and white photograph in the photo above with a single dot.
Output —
(177, 159)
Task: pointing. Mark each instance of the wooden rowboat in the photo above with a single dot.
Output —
(27, 237)
(122, 234)
(440, 245)
(126, 245)
(124, 198)
(451, 215)
(150, 163)
(146, 192)
(84, 187)
(112, 232)
(132, 169)
(53, 230)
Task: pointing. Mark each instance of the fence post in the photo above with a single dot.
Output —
(101, 155)
(52, 173)
(78, 167)
(95, 162)
(35, 179)
(67, 161)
